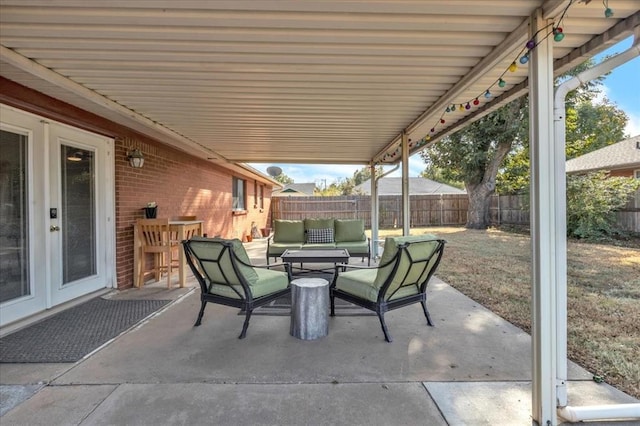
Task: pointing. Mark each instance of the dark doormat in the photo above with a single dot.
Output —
(75, 332)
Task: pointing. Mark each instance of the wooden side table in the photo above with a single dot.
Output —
(309, 308)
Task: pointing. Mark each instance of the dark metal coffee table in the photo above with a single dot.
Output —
(314, 256)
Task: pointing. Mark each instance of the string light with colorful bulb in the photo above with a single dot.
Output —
(501, 82)
(558, 35)
(608, 12)
(522, 58)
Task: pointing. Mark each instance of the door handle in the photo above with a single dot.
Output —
(53, 228)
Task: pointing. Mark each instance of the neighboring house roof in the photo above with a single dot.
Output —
(622, 155)
(417, 186)
(297, 189)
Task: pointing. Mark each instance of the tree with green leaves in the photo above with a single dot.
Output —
(493, 152)
(333, 190)
(474, 155)
(590, 125)
(347, 186)
(593, 198)
(364, 174)
(437, 174)
(283, 179)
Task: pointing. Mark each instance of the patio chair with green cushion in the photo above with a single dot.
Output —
(401, 279)
(226, 276)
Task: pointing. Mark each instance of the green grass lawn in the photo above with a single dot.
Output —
(493, 267)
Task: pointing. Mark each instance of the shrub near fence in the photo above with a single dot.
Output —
(425, 210)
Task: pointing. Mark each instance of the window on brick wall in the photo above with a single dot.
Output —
(261, 198)
(239, 194)
(255, 194)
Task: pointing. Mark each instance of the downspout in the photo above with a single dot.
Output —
(375, 218)
(596, 412)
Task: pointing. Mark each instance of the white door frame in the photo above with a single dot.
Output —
(41, 148)
(102, 149)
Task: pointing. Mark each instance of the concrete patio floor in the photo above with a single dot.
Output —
(472, 368)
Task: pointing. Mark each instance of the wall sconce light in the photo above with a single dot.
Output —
(136, 159)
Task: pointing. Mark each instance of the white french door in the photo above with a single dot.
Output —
(59, 244)
(76, 212)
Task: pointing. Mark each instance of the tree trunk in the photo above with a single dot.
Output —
(479, 204)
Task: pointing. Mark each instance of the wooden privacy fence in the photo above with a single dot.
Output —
(425, 210)
(628, 218)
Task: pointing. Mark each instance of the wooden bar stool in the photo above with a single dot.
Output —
(154, 238)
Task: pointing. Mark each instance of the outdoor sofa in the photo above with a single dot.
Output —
(310, 234)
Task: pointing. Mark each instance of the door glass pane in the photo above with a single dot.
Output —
(14, 250)
(77, 221)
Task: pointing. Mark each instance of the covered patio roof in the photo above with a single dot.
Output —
(292, 81)
(359, 82)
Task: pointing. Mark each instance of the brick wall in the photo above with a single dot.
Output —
(181, 185)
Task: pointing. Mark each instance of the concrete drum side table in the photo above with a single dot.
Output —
(309, 308)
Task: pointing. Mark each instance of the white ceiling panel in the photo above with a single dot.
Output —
(288, 81)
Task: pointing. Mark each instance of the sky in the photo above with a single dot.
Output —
(621, 87)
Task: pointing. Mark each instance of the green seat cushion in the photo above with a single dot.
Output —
(276, 249)
(348, 230)
(288, 231)
(210, 248)
(318, 223)
(355, 247)
(269, 282)
(422, 246)
(361, 283)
